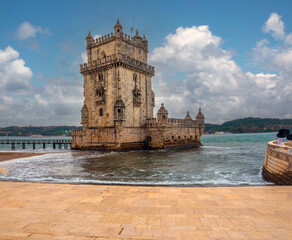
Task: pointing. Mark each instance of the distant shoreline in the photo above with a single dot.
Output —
(5, 156)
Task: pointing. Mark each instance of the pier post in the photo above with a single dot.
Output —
(13, 146)
(23, 145)
(44, 146)
(33, 145)
(54, 145)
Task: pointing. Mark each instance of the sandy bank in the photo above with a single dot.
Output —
(64, 211)
(4, 156)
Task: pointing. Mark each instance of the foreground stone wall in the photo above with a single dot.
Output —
(278, 164)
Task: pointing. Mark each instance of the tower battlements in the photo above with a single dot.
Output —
(136, 41)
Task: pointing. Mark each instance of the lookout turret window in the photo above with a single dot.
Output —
(100, 77)
(101, 112)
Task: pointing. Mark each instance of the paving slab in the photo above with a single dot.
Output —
(64, 211)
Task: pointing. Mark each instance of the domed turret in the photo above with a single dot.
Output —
(89, 39)
(188, 117)
(118, 29)
(137, 36)
(162, 114)
(200, 118)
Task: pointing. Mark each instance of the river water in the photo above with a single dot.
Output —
(224, 160)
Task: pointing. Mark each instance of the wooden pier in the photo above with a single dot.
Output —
(33, 142)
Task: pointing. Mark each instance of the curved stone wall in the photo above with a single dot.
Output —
(278, 163)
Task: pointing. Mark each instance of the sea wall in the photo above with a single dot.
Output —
(126, 138)
(278, 163)
(109, 138)
(173, 136)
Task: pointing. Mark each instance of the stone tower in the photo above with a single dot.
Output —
(117, 81)
(118, 99)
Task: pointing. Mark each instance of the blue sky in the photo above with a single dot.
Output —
(48, 57)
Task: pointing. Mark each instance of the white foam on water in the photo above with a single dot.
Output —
(219, 163)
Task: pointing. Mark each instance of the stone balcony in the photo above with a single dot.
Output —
(116, 59)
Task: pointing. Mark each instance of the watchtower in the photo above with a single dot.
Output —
(117, 81)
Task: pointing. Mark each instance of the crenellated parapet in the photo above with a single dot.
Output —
(171, 122)
(114, 59)
(135, 41)
(119, 35)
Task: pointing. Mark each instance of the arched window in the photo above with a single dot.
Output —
(101, 112)
(100, 77)
(135, 78)
(119, 109)
(102, 54)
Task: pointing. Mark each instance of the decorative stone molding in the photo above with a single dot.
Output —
(114, 60)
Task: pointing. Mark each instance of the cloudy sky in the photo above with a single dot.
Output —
(232, 58)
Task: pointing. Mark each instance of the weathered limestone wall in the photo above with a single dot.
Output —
(122, 138)
(91, 83)
(135, 116)
(109, 138)
(278, 164)
(133, 47)
(162, 137)
(129, 49)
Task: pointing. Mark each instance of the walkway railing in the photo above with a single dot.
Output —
(24, 142)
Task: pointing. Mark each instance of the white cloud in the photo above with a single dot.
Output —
(21, 103)
(265, 81)
(288, 39)
(15, 76)
(275, 25)
(96, 36)
(84, 57)
(27, 30)
(214, 80)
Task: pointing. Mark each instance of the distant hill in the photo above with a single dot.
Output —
(44, 131)
(250, 125)
(245, 125)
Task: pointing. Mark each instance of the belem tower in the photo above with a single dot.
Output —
(118, 107)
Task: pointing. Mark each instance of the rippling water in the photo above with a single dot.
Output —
(224, 160)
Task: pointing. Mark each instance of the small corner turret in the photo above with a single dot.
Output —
(118, 29)
(89, 40)
(188, 117)
(200, 118)
(162, 114)
(137, 36)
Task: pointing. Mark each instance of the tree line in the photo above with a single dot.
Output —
(250, 125)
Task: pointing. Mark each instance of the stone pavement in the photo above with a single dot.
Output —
(63, 211)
